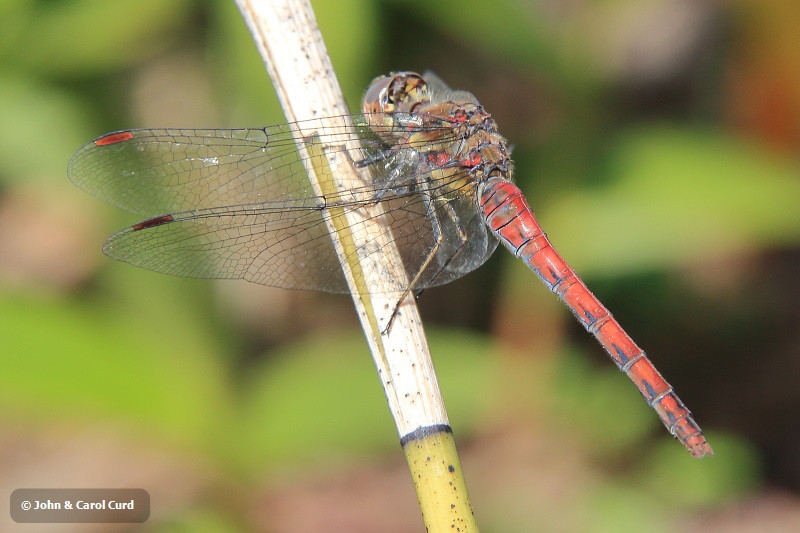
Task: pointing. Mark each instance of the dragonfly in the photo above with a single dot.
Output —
(237, 203)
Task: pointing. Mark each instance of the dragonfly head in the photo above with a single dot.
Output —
(401, 92)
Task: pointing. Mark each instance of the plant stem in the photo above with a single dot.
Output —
(291, 45)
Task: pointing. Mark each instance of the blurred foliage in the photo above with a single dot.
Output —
(740, 198)
(656, 146)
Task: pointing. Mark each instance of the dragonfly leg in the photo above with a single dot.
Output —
(401, 184)
(397, 184)
(373, 159)
(438, 240)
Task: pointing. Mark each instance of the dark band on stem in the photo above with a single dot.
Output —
(425, 431)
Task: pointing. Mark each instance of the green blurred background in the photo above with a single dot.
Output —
(658, 142)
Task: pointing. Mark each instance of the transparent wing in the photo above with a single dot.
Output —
(238, 204)
(151, 172)
(284, 244)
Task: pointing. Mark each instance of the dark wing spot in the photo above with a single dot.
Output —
(113, 138)
(153, 222)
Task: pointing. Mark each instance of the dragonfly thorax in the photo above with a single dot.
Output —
(449, 129)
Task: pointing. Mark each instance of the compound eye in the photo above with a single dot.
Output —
(407, 90)
(376, 99)
(403, 92)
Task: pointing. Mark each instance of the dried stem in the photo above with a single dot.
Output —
(291, 45)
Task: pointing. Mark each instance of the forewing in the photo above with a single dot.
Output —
(152, 172)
